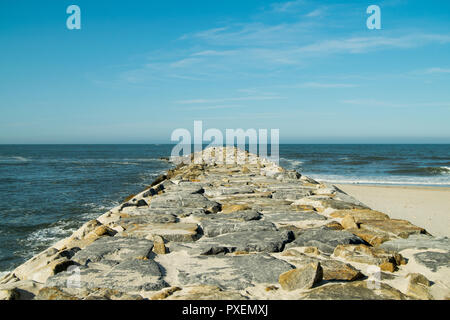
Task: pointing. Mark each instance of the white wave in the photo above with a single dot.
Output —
(293, 163)
(125, 163)
(425, 181)
(13, 159)
(51, 234)
(97, 207)
(3, 273)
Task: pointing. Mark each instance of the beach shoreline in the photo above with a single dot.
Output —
(427, 206)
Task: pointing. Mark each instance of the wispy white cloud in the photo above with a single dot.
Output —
(184, 62)
(287, 6)
(316, 13)
(437, 70)
(391, 104)
(216, 107)
(321, 85)
(249, 98)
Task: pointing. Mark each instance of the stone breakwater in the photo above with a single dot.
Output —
(238, 231)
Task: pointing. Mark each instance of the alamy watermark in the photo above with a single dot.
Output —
(257, 141)
(74, 20)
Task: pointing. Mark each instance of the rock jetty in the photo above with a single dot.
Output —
(238, 231)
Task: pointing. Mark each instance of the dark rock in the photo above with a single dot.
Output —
(261, 241)
(325, 239)
(215, 227)
(141, 203)
(159, 179)
(114, 249)
(129, 275)
(358, 290)
(292, 217)
(433, 260)
(235, 272)
(304, 277)
(417, 242)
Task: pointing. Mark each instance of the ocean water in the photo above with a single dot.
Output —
(48, 191)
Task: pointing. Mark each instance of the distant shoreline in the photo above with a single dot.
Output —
(391, 185)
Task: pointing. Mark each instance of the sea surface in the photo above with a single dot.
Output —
(48, 191)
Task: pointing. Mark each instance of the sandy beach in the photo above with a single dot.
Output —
(427, 207)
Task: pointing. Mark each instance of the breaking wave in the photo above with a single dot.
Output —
(421, 171)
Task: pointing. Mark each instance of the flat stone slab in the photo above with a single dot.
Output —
(178, 232)
(216, 227)
(417, 242)
(129, 275)
(358, 290)
(115, 249)
(233, 272)
(325, 239)
(187, 200)
(287, 217)
(260, 241)
(433, 260)
(392, 227)
(332, 269)
(359, 215)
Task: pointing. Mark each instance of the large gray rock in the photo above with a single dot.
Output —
(325, 239)
(128, 275)
(234, 272)
(433, 260)
(260, 241)
(216, 227)
(419, 241)
(285, 217)
(184, 199)
(114, 249)
(304, 277)
(357, 290)
(290, 195)
(149, 218)
(216, 192)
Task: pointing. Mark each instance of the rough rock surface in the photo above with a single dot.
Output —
(237, 230)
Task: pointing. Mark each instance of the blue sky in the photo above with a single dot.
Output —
(137, 70)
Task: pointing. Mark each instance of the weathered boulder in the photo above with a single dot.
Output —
(332, 269)
(205, 292)
(304, 277)
(360, 215)
(180, 232)
(394, 228)
(325, 239)
(126, 275)
(9, 294)
(114, 249)
(260, 241)
(433, 260)
(54, 293)
(356, 290)
(418, 286)
(186, 200)
(20, 290)
(420, 241)
(387, 260)
(230, 208)
(232, 272)
(215, 227)
(293, 217)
